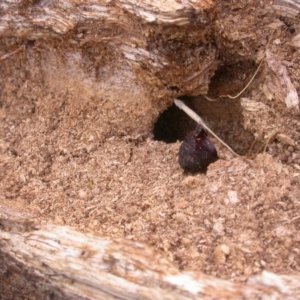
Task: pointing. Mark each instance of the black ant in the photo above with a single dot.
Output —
(287, 23)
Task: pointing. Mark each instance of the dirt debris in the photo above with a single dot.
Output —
(62, 163)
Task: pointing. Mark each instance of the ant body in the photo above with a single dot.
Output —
(287, 23)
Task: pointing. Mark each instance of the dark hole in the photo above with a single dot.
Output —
(231, 79)
(223, 116)
(173, 124)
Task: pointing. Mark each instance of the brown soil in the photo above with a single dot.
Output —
(62, 163)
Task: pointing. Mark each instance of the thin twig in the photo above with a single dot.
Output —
(233, 97)
(272, 134)
(210, 99)
(241, 92)
(251, 147)
(265, 145)
(5, 56)
(199, 120)
(294, 219)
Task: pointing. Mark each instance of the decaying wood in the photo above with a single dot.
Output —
(64, 263)
(129, 59)
(130, 29)
(147, 51)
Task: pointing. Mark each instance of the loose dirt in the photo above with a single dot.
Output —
(62, 163)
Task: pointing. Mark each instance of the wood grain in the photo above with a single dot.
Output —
(43, 260)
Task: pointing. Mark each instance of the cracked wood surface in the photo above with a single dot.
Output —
(165, 42)
(42, 260)
(166, 47)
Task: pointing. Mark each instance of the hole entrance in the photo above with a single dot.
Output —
(173, 124)
(231, 79)
(224, 117)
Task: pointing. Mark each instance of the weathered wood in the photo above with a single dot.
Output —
(38, 261)
(164, 48)
(154, 36)
(147, 51)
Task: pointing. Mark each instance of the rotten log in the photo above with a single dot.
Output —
(141, 55)
(156, 49)
(56, 262)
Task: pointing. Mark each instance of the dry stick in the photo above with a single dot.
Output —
(241, 92)
(251, 147)
(233, 97)
(199, 120)
(264, 145)
(294, 219)
(5, 56)
(272, 134)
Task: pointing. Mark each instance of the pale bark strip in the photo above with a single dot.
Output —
(87, 266)
(164, 42)
(62, 16)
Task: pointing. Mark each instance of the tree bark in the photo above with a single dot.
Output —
(57, 262)
(153, 51)
(155, 36)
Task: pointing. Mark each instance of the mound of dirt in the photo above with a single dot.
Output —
(90, 139)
